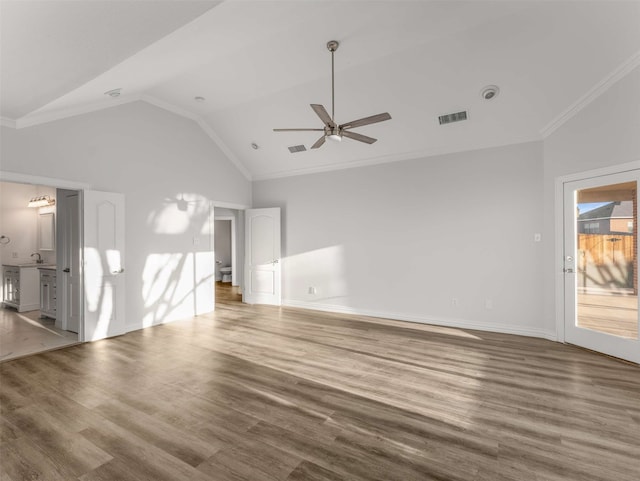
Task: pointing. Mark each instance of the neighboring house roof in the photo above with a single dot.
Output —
(622, 209)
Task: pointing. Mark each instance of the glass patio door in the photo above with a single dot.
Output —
(601, 264)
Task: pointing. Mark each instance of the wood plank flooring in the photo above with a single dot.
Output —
(610, 313)
(261, 393)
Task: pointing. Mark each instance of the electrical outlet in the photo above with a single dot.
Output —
(14, 255)
(488, 303)
(454, 301)
(537, 237)
(312, 290)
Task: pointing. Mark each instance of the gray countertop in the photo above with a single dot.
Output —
(29, 264)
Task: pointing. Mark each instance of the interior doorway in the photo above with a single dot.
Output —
(31, 254)
(228, 236)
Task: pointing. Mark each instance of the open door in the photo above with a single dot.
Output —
(103, 265)
(601, 264)
(69, 265)
(262, 256)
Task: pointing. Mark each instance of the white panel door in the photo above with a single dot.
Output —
(262, 256)
(103, 270)
(601, 264)
(71, 261)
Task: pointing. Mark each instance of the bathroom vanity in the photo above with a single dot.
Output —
(48, 294)
(20, 286)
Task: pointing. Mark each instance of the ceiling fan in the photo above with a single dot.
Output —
(331, 129)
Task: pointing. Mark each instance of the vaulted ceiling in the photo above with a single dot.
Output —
(259, 64)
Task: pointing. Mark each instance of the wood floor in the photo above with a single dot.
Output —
(613, 314)
(261, 393)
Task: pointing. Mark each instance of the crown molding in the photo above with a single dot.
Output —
(595, 92)
(383, 159)
(7, 122)
(36, 119)
(150, 99)
(222, 146)
(46, 117)
(204, 126)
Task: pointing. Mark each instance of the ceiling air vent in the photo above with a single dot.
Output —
(449, 118)
(297, 148)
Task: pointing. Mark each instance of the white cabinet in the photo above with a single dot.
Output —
(48, 293)
(11, 286)
(20, 287)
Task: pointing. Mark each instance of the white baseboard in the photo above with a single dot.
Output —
(140, 325)
(436, 321)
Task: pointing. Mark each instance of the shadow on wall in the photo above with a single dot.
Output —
(606, 261)
(179, 282)
(100, 298)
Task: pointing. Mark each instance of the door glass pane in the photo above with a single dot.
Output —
(606, 259)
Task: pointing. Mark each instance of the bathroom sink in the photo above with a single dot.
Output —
(28, 264)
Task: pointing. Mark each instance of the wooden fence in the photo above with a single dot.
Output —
(602, 249)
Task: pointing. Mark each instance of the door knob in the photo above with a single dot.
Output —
(119, 271)
(66, 269)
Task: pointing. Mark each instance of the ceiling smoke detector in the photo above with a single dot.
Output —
(490, 92)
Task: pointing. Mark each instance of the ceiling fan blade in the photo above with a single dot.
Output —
(323, 114)
(366, 121)
(319, 143)
(298, 130)
(360, 137)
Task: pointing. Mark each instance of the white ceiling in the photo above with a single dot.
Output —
(259, 64)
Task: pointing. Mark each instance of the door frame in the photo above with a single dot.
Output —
(234, 281)
(80, 187)
(239, 238)
(559, 233)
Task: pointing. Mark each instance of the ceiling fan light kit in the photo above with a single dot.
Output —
(331, 129)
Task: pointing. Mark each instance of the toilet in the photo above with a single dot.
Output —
(226, 274)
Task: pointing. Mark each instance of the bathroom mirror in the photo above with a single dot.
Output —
(46, 231)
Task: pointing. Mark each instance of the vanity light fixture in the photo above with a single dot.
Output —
(41, 201)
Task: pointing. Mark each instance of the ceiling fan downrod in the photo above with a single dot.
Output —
(332, 46)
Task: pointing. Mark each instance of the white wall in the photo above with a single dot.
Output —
(170, 173)
(605, 133)
(402, 240)
(20, 223)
